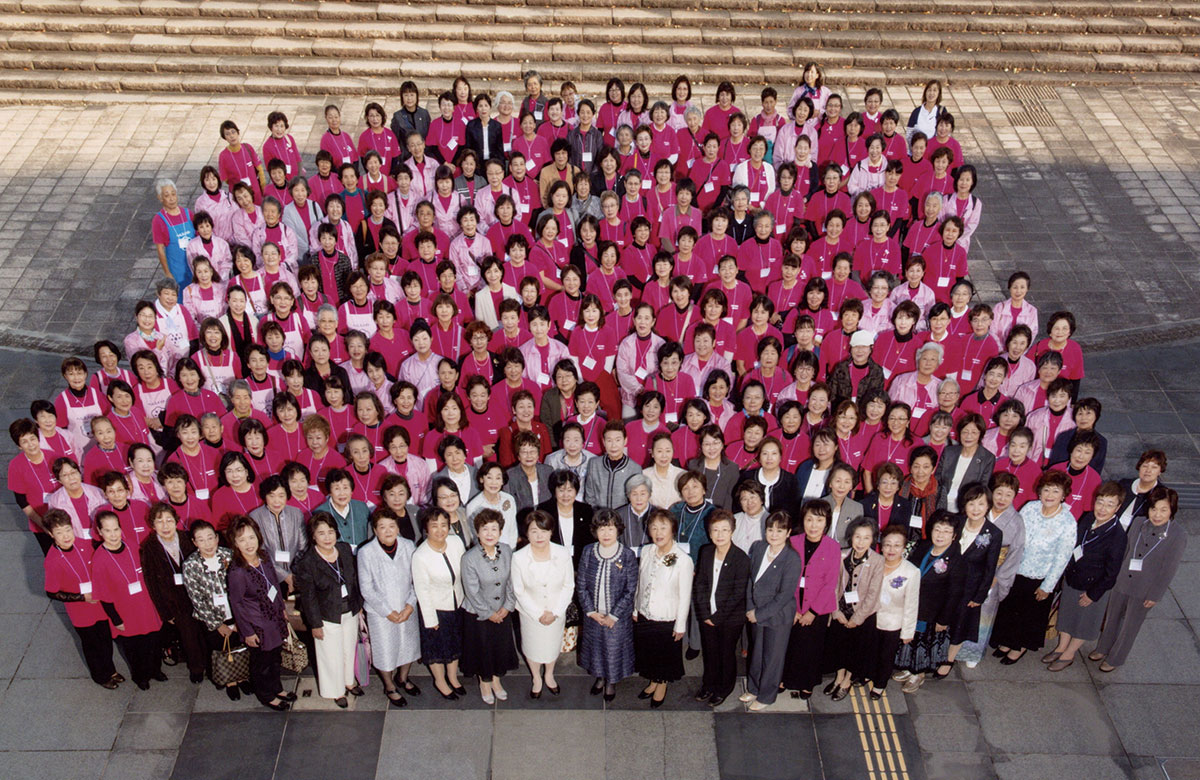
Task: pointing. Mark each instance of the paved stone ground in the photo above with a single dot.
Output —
(75, 203)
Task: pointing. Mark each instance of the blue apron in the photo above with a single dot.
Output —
(176, 249)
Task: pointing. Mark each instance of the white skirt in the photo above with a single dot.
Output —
(541, 644)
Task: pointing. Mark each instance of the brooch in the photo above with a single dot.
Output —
(898, 582)
(984, 539)
(940, 566)
(670, 560)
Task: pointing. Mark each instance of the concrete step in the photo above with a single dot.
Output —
(388, 57)
(545, 9)
(1101, 33)
(26, 86)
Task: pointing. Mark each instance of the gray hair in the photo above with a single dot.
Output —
(739, 190)
(764, 214)
(214, 415)
(240, 384)
(326, 308)
(504, 93)
(932, 346)
(531, 74)
(163, 184)
(165, 284)
(637, 481)
(934, 195)
(693, 110)
(949, 382)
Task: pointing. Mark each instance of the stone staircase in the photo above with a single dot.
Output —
(359, 47)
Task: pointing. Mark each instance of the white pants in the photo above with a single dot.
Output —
(335, 656)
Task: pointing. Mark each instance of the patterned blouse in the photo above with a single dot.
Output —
(1048, 544)
(206, 586)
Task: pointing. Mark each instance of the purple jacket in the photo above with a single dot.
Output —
(254, 613)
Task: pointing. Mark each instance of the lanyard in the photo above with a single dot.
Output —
(1152, 549)
(71, 566)
(337, 568)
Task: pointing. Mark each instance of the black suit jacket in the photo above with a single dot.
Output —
(941, 592)
(1141, 507)
(495, 137)
(902, 509)
(583, 526)
(983, 463)
(404, 123)
(785, 494)
(731, 586)
(318, 589)
(169, 599)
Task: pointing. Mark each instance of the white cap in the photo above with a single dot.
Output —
(862, 338)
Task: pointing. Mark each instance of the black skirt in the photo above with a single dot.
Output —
(802, 664)
(1021, 619)
(851, 649)
(487, 648)
(657, 656)
(443, 644)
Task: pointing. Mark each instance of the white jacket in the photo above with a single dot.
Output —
(432, 581)
(898, 599)
(664, 592)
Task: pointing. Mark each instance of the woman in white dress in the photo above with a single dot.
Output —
(490, 478)
(543, 581)
(390, 601)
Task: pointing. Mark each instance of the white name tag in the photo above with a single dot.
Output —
(568, 324)
(686, 547)
(887, 373)
(202, 494)
(589, 363)
(851, 597)
(915, 521)
(287, 169)
(220, 600)
(646, 184)
(283, 556)
(587, 157)
(135, 588)
(85, 588)
(673, 158)
(827, 274)
(537, 115)
(780, 229)
(671, 417)
(246, 181)
(543, 379)
(965, 376)
(802, 582)
(453, 144)
(943, 281)
(709, 187)
(507, 148)
(85, 533)
(1135, 564)
(345, 159)
(464, 119)
(272, 593)
(641, 373)
(182, 242)
(178, 579)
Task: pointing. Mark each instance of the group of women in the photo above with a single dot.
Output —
(616, 379)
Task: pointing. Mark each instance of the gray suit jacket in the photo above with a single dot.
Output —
(445, 472)
(518, 486)
(487, 585)
(294, 537)
(773, 595)
(851, 510)
(635, 528)
(980, 470)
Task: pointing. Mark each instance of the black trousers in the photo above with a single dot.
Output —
(188, 634)
(97, 645)
(144, 654)
(884, 662)
(802, 667)
(265, 668)
(719, 645)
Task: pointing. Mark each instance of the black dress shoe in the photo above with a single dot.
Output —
(876, 695)
(702, 695)
(196, 677)
(691, 654)
(233, 693)
(1006, 661)
(597, 687)
(656, 703)
(158, 676)
(829, 689)
(535, 694)
(645, 694)
(289, 696)
(452, 696)
(355, 691)
(840, 694)
(411, 688)
(246, 688)
(342, 702)
(554, 689)
(109, 684)
(715, 700)
(118, 677)
(998, 653)
(142, 684)
(282, 706)
(610, 694)
(461, 691)
(399, 701)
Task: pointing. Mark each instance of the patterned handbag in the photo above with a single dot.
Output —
(295, 653)
(230, 665)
